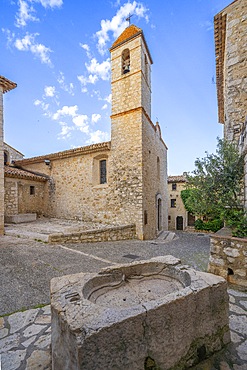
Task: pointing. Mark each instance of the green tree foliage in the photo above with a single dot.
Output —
(215, 187)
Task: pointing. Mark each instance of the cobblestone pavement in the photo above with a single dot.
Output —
(27, 267)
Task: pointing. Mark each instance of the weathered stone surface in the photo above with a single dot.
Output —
(117, 318)
(231, 268)
(3, 333)
(38, 360)
(242, 350)
(32, 330)
(9, 342)
(237, 309)
(12, 360)
(238, 324)
(20, 319)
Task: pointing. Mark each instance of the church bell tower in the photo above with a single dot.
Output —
(132, 132)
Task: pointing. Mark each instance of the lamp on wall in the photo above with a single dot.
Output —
(47, 162)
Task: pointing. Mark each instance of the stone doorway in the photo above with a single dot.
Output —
(179, 223)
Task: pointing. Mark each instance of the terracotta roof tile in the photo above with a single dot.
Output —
(180, 178)
(22, 174)
(127, 34)
(6, 84)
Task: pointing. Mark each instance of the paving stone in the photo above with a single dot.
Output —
(32, 330)
(3, 332)
(238, 324)
(12, 360)
(19, 320)
(43, 319)
(1, 322)
(242, 350)
(244, 303)
(43, 342)
(237, 293)
(46, 310)
(9, 342)
(231, 299)
(235, 338)
(39, 360)
(29, 341)
(237, 309)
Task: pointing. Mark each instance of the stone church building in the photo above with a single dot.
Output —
(123, 181)
(231, 74)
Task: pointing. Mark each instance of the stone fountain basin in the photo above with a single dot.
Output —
(138, 316)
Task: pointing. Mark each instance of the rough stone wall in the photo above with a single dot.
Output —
(19, 200)
(13, 154)
(235, 69)
(135, 143)
(1, 166)
(74, 191)
(228, 258)
(10, 197)
(179, 210)
(154, 153)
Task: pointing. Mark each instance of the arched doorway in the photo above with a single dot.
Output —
(179, 223)
(159, 215)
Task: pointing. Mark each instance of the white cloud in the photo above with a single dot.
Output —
(24, 14)
(97, 137)
(108, 98)
(65, 111)
(95, 117)
(104, 107)
(69, 88)
(26, 11)
(81, 121)
(87, 49)
(101, 70)
(50, 3)
(27, 43)
(50, 91)
(65, 130)
(92, 79)
(118, 23)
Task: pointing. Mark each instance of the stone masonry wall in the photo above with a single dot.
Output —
(235, 69)
(1, 166)
(19, 200)
(228, 258)
(179, 210)
(154, 180)
(73, 192)
(13, 154)
(92, 236)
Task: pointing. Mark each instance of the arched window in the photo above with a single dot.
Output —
(6, 157)
(146, 67)
(158, 168)
(125, 61)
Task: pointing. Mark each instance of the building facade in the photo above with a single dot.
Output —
(231, 74)
(178, 217)
(118, 182)
(5, 86)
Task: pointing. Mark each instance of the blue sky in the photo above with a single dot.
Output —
(57, 53)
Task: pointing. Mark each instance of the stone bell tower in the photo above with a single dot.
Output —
(138, 151)
(5, 86)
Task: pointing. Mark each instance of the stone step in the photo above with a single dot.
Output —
(167, 236)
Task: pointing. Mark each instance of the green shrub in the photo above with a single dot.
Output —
(213, 225)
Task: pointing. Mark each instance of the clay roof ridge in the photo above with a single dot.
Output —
(67, 153)
(11, 171)
(7, 84)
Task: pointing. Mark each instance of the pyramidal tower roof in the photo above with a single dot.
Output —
(129, 33)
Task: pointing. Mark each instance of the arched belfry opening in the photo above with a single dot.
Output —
(125, 61)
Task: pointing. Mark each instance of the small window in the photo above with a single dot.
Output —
(174, 186)
(169, 218)
(32, 190)
(125, 61)
(158, 168)
(102, 169)
(6, 158)
(173, 203)
(145, 217)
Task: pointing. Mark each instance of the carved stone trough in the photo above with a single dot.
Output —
(153, 314)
